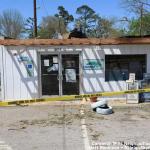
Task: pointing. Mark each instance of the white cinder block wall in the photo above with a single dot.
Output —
(17, 85)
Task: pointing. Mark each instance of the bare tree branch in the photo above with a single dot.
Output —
(11, 23)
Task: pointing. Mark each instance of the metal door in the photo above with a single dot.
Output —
(70, 74)
(50, 74)
(60, 74)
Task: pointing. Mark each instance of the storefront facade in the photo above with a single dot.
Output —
(34, 69)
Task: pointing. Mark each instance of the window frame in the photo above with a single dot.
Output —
(144, 69)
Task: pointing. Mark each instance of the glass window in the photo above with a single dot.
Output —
(118, 67)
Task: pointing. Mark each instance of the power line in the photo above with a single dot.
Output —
(44, 7)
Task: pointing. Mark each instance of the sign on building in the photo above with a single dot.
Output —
(93, 64)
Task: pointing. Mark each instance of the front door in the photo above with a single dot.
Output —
(60, 74)
(70, 73)
(50, 74)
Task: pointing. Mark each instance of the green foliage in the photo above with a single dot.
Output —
(134, 26)
(93, 25)
(63, 13)
(139, 25)
(87, 18)
(50, 26)
(146, 24)
(29, 27)
(105, 29)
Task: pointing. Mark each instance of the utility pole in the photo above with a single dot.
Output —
(141, 16)
(35, 19)
(141, 19)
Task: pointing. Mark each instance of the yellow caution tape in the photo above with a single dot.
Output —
(71, 97)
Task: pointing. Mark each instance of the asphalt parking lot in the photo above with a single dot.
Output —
(72, 126)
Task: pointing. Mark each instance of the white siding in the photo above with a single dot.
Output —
(94, 81)
(1, 69)
(17, 85)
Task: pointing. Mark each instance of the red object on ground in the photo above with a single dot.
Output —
(93, 99)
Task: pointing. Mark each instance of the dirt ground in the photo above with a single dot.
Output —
(58, 126)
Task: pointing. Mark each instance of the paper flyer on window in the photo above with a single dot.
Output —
(70, 75)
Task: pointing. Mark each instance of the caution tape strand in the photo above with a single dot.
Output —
(71, 97)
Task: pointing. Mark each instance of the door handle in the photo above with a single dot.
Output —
(58, 77)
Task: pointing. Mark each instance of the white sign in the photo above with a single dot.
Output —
(55, 59)
(70, 75)
(93, 64)
(132, 76)
(46, 62)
